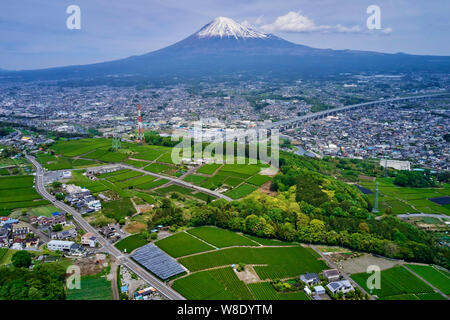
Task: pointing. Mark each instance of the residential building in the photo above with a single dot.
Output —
(340, 286)
(89, 239)
(319, 290)
(310, 278)
(331, 275)
(58, 245)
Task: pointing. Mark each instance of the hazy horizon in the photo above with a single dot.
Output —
(34, 34)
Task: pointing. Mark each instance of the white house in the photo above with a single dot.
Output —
(17, 246)
(60, 245)
(343, 286)
(89, 239)
(310, 278)
(67, 174)
(319, 290)
(95, 205)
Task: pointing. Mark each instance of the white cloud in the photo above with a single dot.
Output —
(386, 31)
(297, 23)
(245, 23)
(259, 20)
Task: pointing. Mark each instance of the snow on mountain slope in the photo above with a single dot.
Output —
(226, 27)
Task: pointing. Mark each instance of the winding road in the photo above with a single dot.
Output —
(121, 258)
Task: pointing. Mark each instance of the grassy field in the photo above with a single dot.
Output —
(156, 167)
(214, 182)
(131, 243)
(138, 181)
(17, 195)
(6, 255)
(395, 281)
(118, 209)
(209, 168)
(203, 196)
(265, 291)
(403, 200)
(45, 211)
(124, 176)
(113, 173)
(241, 191)
(417, 296)
(16, 182)
(281, 262)
(136, 163)
(269, 242)
(434, 276)
(220, 237)
(174, 188)
(243, 170)
(258, 180)
(78, 147)
(93, 287)
(18, 192)
(3, 252)
(233, 181)
(84, 182)
(182, 244)
(227, 277)
(195, 179)
(150, 153)
(202, 286)
(152, 184)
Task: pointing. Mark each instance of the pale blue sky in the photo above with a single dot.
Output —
(33, 33)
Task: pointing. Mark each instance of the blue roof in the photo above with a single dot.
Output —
(123, 288)
(55, 213)
(157, 261)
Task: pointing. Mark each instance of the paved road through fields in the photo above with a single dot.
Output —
(122, 258)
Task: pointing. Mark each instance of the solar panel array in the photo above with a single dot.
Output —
(157, 261)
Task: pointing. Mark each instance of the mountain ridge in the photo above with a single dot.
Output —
(224, 47)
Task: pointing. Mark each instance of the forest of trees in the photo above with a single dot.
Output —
(415, 179)
(44, 282)
(312, 207)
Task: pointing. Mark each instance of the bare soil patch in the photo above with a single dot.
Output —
(135, 227)
(360, 264)
(249, 275)
(265, 188)
(88, 266)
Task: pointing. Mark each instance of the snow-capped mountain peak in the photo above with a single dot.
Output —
(226, 27)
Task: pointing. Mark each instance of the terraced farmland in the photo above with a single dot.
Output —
(281, 262)
(220, 237)
(436, 277)
(18, 192)
(182, 244)
(156, 167)
(209, 168)
(202, 286)
(241, 191)
(93, 287)
(395, 281)
(265, 291)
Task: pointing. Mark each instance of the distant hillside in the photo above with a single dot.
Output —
(224, 48)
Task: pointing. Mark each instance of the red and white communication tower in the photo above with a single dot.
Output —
(140, 128)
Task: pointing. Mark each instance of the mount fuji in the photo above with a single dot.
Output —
(225, 48)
